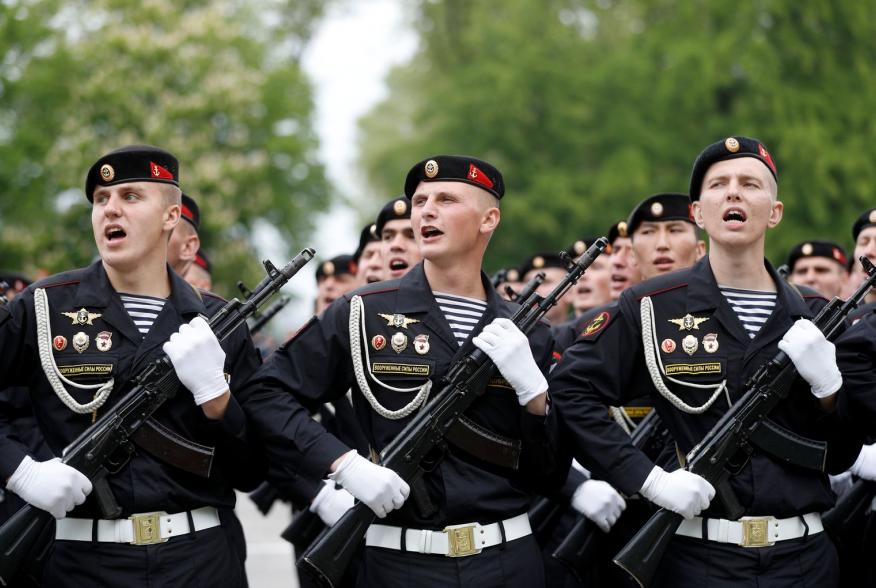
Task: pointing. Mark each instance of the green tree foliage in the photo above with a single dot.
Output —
(589, 106)
(218, 83)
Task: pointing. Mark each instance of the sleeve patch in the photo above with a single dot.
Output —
(596, 325)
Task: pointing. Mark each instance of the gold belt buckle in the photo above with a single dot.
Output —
(755, 532)
(461, 541)
(147, 528)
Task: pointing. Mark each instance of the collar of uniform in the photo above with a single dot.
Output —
(702, 290)
(184, 297)
(413, 285)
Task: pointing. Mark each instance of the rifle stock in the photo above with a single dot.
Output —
(106, 446)
(331, 553)
(716, 457)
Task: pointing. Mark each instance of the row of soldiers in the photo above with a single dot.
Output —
(680, 337)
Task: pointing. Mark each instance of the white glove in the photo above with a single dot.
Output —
(509, 349)
(599, 502)
(198, 359)
(331, 503)
(49, 485)
(865, 465)
(679, 491)
(378, 487)
(813, 356)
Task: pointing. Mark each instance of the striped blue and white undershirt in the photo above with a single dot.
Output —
(143, 310)
(462, 313)
(753, 307)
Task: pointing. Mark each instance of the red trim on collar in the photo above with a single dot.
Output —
(670, 288)
(62, 284)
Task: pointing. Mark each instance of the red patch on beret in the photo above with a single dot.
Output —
(476, 175)
(156, 171)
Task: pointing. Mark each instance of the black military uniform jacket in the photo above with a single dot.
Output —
(607, 366)
(316, 366)
(856, 358)
(145, 484)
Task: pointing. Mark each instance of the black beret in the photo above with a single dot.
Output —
(15, 280)
(190, 211)
(828, 249)
(867, 219)
(368, 235)
(336, 266)
(396, 209)
(618, 229)
(202, 261)
(577, 248)
(658, 208)
(729, 148)
(132, 163)
(540, 261)
(455, 168)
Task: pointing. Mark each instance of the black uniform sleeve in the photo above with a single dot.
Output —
(856, 358)
(599, 370)
(309, 366)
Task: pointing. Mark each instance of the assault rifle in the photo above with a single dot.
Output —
(4, 288)
(726, 449)
(576, 551)
(419, 444)
(528, 289)
(107, 445)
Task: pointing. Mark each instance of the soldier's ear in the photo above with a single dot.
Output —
(697, 211)
(776, 213)
(172, 216)
(490, 220)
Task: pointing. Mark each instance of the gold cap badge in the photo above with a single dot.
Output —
(328, 268)
(731, 144)
(538, 261)
(872, 217)
(400, 207)
(107, 173)
(807, 249)
(431, 168)
(622, 229)
(513, 275)
(579, 247)
(656, 209)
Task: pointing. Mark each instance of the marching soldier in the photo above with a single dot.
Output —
(820, 265)
(185, 243)
(554, 269)
(594, 287)
(624, 272)
(864, 236)
(399, 251)
(368, 256)
(334, 278)
(75, 339)
(707, 329)
(200, 273)
(406, 334)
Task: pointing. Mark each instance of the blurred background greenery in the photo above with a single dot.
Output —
(587, 106)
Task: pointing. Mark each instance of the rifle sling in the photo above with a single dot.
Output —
(174, 449)
(486, 445)
(790, 447)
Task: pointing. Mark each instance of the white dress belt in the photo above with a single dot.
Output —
(139, 529)
(453, 541)
(752, 531)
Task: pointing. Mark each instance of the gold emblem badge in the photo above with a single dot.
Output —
(731, 144)
(656, 209)
(622, 229)
(598, 322)
(378, 342)
(399, 321)
(328, 268)
(373, 231)
(579, 247)
(538, 262)
(104, 341)
(59, 343)
(431, 168)
(872, 217)
(400, 207)
(710, 342)
(668, 346)
(421, 344)
(689, 322)
(807, 249)
(690, 344)
(80, 342)
(107, 173)
(82, 317)
(399, 342)
(512, 276)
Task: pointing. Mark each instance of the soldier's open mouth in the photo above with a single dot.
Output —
(430, 232)
(397, 265)
(734, 214)
(113, 233)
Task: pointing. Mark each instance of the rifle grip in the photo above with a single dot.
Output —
(106, 500)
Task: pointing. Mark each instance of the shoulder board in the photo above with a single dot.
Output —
(209, 294)
(663, 290)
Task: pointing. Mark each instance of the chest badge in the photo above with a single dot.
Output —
(689, 322)
(399, 342)
(399, 321)
(421, 344)
(59, 343)
(378, 342)
(82, 317)
(668, 346)
(710, 342)
(104, 341)
(690, 344)
(80, 342)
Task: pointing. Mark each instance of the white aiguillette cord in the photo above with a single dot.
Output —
(47, 359)
(357, 317)
(657, 371)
